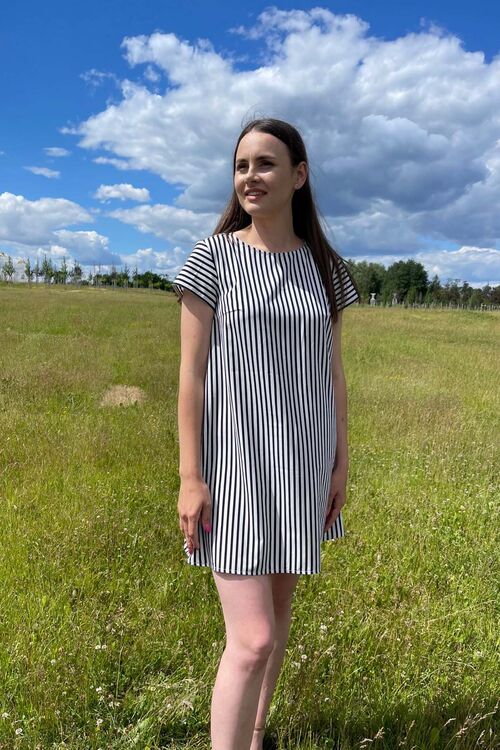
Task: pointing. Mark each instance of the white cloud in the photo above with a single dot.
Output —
(44, 171)
(35, 222)
(402, 130)
(478, 265)
(56, 151)
(34, 228)
(167, 222)
(123, 191)
(151, 74)
(95, 78)
(87, 247)
(159, 261)
(402, 134)
(118, 163)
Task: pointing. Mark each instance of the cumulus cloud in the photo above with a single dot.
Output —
(123, 191)
(151, 74)
(88, 247)
(479, 265)
(56, 151)
(402, 134)
(118, 163)
(35, 222)
(161, 262)
(44, 171)
(34, 228)
(167, 222)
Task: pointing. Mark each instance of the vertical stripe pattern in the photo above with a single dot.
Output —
(268, 437)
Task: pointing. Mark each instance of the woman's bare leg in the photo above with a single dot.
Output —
(283, 587)
(247, 604)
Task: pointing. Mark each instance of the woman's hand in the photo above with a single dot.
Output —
(194, 498)
(336, 495)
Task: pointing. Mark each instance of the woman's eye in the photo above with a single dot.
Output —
(243, 166)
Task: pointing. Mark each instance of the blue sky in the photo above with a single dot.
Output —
(119, 121)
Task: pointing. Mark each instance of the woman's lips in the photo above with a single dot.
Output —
(255, 197)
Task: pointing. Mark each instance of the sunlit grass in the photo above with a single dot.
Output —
(109, 640)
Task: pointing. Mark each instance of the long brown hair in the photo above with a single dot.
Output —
(306, 223)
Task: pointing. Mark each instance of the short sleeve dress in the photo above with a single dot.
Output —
(268, 437)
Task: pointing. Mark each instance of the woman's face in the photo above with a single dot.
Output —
(263, 163)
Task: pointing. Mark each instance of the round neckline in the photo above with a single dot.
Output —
(266, 252)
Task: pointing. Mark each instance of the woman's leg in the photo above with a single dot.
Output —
(283, 587)
(247, 604)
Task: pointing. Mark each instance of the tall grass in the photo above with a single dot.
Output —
(108, 639)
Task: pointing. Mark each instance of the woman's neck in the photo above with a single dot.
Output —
(273, 239)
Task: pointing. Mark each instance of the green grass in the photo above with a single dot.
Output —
(108, 639)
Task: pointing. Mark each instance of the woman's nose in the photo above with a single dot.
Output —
(251, 172)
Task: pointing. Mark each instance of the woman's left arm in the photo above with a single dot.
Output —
(340, 391)
(338, 479)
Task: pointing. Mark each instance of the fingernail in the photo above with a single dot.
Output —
(207, 527)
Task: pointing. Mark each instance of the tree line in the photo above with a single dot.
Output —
(404, 281)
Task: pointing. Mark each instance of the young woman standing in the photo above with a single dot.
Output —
(262, 413)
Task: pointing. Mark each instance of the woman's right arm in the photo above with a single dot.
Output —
(194, 496)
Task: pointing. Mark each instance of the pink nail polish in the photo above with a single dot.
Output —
(207, 527)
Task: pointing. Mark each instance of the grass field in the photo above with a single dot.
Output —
(108, 639)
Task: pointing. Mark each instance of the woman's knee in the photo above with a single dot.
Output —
(253, 647)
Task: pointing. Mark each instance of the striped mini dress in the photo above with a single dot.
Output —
(268, 436)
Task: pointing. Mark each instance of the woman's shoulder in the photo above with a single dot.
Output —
(219, 237)
(214, 243)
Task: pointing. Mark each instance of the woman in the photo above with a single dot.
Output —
(262, 413)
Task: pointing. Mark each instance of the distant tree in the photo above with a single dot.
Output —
(495, 295)
(476, 298)
(124, 276)
(369, 278)
(47, 270)
(63, 273)
(452, 291)
(38, 270)
(135, 278)
(411, 297)
(465, 293)
(486, 290)
(8, 269)
(29, 272)
(404, 274)
(76, 273)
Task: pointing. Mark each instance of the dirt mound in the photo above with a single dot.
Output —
(122, 395)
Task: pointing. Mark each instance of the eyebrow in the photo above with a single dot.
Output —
(259, 158)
